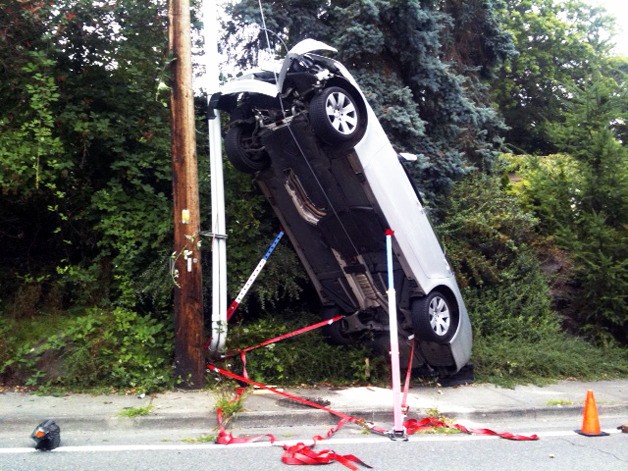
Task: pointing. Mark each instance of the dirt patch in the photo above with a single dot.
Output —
(297, 405)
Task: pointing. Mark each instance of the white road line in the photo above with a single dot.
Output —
(321, 444)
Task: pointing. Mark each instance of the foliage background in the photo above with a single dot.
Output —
(515, 108)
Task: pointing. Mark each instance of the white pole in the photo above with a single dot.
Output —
(394, 340)
(219, 242)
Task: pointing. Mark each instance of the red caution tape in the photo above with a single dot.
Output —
(293, 454)
(302, 454)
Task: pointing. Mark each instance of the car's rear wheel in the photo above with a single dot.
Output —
(245, 150)
(435, 317)
(335, 333)
(336, 117)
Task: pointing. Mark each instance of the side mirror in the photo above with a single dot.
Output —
(406, 156)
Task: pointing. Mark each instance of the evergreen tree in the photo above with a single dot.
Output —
(581, 196)
(408, 57)
(598, 238)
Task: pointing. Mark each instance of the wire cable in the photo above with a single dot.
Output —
(261, 12)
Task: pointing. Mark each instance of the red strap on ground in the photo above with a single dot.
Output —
(414, 425)
(227, 438)
(294, 454)
(302, 454)
(332, 430)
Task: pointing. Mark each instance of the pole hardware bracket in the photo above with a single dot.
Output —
(214, 236)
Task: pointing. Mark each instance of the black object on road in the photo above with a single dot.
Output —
(47, 435)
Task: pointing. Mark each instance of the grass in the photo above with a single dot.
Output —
(433, 413)
(230, 404)
(141, 411)
(200, 439)
(439, 431)
(559, 402)
(27, 331)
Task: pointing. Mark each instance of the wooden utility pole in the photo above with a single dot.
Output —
(188, 298)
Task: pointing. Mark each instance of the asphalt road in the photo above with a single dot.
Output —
(172, 450)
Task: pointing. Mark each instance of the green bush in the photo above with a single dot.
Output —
(516, 307)
(583, 209)
(485, 232)
(600, 253)
(115, 349)
(546, 186)
(490, 240)
(7, 347)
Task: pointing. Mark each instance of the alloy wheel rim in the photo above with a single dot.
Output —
(440, 317)
(341, 113)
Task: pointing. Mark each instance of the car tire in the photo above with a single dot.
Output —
(335, 333)
(244, 149)
(435, 317)
(336, 117)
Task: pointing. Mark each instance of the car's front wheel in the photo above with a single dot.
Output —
(336, 117)
(245, 150)
(435, 317)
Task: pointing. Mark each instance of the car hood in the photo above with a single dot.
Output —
(253, 85)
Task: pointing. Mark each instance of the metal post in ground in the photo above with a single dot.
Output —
(219, 238)
(398, 430)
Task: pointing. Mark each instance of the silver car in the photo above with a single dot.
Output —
(303, 127)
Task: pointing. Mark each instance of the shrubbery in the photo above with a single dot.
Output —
(512, 361)
(116, 349)
(492, 240)
(588, 223)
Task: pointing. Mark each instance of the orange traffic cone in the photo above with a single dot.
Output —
(590, 421)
